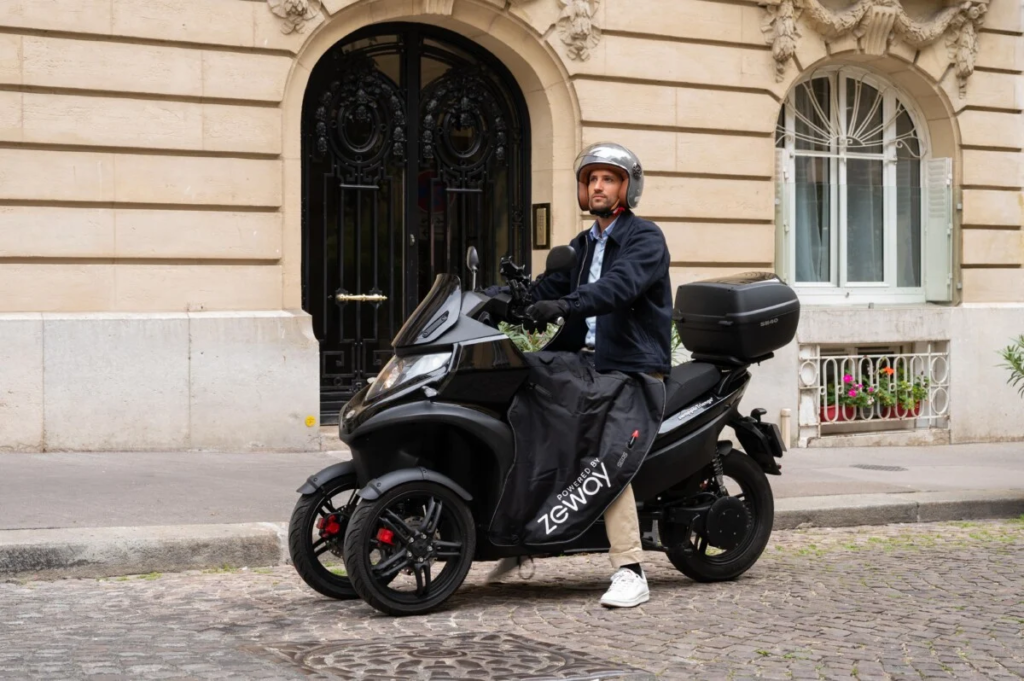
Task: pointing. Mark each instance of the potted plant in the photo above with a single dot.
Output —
(843, 402)
(898, 395)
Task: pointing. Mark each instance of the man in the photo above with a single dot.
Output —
(617, 307)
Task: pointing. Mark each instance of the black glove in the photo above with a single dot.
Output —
(492, 291)
(546, 311)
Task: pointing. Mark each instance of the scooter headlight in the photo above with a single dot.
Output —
(401, 370)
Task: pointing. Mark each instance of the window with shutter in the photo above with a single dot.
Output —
(938, 230)
(863, 214)
(782, 264)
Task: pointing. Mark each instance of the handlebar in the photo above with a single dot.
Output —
(519, 285)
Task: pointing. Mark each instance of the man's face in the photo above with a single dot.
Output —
(604, 189)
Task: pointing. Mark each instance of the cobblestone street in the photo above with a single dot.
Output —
(901, 602)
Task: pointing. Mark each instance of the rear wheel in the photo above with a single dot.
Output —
(741, 526)
(408, 551)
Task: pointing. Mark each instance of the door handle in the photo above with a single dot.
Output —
(360, 298)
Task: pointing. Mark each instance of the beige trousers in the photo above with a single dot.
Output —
(623, 527)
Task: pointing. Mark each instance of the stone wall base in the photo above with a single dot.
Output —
(230, 381)
(249, 381)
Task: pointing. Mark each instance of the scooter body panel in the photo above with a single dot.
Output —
(673, 462)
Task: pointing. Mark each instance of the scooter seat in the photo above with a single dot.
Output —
(687, 382)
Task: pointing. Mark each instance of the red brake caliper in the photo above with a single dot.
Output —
(386, 536)
(328, 525)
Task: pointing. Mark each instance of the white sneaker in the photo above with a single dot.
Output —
(503, 567)
(628, 590)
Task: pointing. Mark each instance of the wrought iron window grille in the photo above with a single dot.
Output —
(874, 389)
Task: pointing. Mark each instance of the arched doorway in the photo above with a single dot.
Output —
(415, 146)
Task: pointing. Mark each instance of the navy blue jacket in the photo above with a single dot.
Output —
(632, 300)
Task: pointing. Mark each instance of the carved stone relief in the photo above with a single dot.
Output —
(577, 28)
(576, 25)
(294, 13)
(877, 24)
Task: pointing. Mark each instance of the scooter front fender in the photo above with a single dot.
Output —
(488, 428)
(492, 433)
(379, 486)
(327, 475)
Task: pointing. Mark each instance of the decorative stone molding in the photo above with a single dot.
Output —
(877, 24)
(576, 25)
(577, 29)
(295, 13)
(442, 7)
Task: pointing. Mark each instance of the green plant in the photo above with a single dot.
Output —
(1013, 355)
(896, 389)
(527, 341)
(679, 353)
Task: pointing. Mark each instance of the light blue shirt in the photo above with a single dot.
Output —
(599, 239)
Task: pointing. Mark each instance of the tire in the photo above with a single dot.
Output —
(757, 497)
(374, 537)
(303, 547)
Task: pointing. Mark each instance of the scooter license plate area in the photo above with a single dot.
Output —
(762, 442)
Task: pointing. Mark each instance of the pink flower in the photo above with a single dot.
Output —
(852, 393)
(847, 378)
(871, 390)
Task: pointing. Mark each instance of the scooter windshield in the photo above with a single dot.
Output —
(436, 313)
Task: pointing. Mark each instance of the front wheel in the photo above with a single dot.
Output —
(316, 534)
(746, 508)
(408, 551)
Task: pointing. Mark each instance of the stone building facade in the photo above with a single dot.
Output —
(213, 213)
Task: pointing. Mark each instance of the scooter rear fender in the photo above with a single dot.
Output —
(761, 440)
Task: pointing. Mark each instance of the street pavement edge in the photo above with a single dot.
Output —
(118, 551)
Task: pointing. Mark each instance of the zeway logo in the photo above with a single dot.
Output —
(576, 495)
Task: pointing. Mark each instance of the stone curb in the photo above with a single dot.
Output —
(849, 510)
(115, 551)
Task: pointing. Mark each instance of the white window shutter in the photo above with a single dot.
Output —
(938, 230)
(783, 267)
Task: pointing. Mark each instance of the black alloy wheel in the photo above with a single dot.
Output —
(316, 535)
(690, 547)
(408, 551)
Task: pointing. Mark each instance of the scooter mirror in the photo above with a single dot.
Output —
(561, 259)
(473, 264)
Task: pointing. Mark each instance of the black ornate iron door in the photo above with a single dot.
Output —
(415, 147)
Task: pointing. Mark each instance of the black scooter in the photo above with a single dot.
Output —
(400, 524)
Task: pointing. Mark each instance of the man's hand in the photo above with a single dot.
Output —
(547, 311)
(492, 291)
